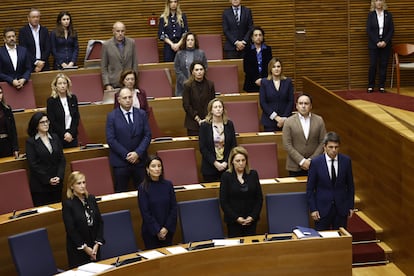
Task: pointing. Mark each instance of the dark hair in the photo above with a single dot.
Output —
(124, 74)
(3, 100)
(183, 45)
(8, 29)
(257, 28)
(331, 137)
(60, 32)
(147, 178)
(34, 122)
(193, 64)
(304, 94)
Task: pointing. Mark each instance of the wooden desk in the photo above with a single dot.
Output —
(53, 220)
(316, 256)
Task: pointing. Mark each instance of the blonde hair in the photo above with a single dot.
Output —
(233, 153)
(73, 178)
(272, 62)
(167, 12)
(53, 85)
(384, 5)
(209, 117)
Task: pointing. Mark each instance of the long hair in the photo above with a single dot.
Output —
(209, 117)
(60, 30)
(183, 45)
(74, 177)
(233, 153)
(384, 5)
(147, 179)
(193, 64)
(34, 122)
(126, 73)
(3, 100)
(53, 85)
(272, 62)
(165, 15)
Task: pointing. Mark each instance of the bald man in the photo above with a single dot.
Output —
(118, 54)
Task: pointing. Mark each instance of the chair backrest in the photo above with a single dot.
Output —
(118, 234)
(147, 50)
(82, 135)
(180, 165)
(263, 158)
(32, 254)
(19, 99)
(244, 115)
(403, 49)
(211, 44)
(87, 87)
(98, 174)
(156, 82)
(94, 49)
(285, 211)
(225, 78)
(15, 194)
(200, 220)
(155, 130)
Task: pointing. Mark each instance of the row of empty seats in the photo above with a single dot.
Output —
(33, 255)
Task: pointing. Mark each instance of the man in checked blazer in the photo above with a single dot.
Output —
(303, 135)
(118, 54)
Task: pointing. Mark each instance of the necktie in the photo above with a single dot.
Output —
(236, 15)
(129, 118)
(333, 176)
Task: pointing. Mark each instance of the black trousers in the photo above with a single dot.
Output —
(378, 58)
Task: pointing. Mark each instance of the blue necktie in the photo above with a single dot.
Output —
(236, 15)
(129, 119)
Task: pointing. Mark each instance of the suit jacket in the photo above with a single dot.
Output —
(26, 40)
(56, 115)
(196, 96)
(272, 100)
(64, 50)
(44, 165)
(250, 66)
(11, 127)
(77, 230)
(295, 143)
(320, 191)
(180, 66)
(373, 29)
(24, 67)
(122, 139)
(207, 148)
(112, 63)
(232, 32)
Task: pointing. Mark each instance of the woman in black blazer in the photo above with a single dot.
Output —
(62, 110)
(8, 133)
(255, 60)
(380, 29)
(83, 222)
(46, 161)
(216, 139)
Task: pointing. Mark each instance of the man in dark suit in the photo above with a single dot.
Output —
(15, 67)
(237, 24)
(35, 39)
(128, 135)
(303, 135)
(330, 188)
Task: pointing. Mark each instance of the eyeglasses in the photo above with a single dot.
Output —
(46, 122)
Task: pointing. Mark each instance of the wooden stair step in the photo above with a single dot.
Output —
(378, 229)
(389, 269)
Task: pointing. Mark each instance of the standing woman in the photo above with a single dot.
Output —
(173, 25)
(64, 40)
(276, 97)
(380, 29)
(217, 138)
(189, 52)
(62, 110)
(8, 133)
(129, 79)
(256, 60)
(158, 206)
(240, 195)
(198, 92)
(46, 161)
(83, 222)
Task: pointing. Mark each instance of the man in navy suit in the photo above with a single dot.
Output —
(330, 188)
(237, 25)
(35, 38)
(128, 135)
(15, 65)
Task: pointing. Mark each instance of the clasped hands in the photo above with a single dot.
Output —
(245, 221)
(19, 83)
(132, 157)
(162, 234)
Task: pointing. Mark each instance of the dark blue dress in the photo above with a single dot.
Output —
(174, 31)
(64, 50)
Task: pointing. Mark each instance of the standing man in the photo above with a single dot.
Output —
(35, 39)
(303, 135)
(128, 135)
(15, 67)
(118, 54)
(330, 188)
(237, 24)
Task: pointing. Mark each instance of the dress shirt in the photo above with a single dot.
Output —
(68, 118)
(35, 33)
(329, 162)
(125, 112)
(305, 122)
(13, 55)
(380, 17)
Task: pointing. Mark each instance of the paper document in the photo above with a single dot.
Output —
(153, 254)
(193, 186)
(221, 242)
(95, 267)
(176, 249)
(329, 234)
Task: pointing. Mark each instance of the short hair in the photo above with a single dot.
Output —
(384, 5)
(233, 153)
(33, 10)
(257, 28)
(183, 45)
(209, 116)
(53, 85)
(331, 137)
(147, 179)
(8, 29)
(34, 122)
(126, 73)
(72, 179)
(304, 94)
